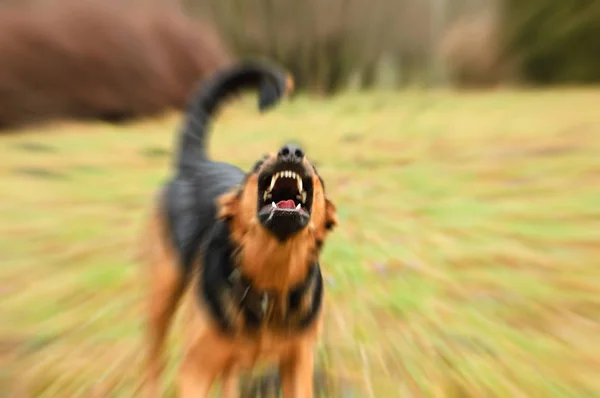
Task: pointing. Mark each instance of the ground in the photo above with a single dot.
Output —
(465, 265)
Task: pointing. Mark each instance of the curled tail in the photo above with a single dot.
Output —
(271, 81)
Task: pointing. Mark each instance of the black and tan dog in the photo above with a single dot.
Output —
(246, 244)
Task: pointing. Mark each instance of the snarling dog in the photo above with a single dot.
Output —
(244, 246)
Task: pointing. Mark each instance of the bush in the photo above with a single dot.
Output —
(88, 60)
(471, 51)
(555, 41)
(322, 42)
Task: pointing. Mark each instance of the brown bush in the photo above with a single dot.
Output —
(472, 53)
(89, 60)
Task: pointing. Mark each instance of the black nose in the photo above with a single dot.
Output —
(291, 153)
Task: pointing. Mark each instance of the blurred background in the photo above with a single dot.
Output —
(460, 140)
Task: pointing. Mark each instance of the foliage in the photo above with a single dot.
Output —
(471, 51)
(556, 41)
(325, 43)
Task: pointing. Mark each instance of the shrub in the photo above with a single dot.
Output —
(471, 51)
(555, 41)
(89, 60)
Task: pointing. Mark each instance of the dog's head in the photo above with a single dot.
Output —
(282, 194)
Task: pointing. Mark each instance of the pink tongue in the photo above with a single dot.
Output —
(286, 204)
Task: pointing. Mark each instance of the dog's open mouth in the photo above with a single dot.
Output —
(285, 199)
(285, 192)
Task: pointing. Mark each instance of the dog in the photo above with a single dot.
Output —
(242, 248)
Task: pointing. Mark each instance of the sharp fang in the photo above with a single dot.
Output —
(273, 180)
(273, 205)
(298, 206)
(303, 197)
(265, 196)
(299, 181)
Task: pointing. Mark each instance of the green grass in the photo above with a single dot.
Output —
(467, 262)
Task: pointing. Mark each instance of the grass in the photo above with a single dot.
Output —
(466, 263)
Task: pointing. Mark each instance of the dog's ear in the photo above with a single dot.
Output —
(331, 218)
(228, 204)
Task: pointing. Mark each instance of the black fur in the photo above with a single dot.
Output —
(217, 289)
(190, 196)
(189, 199)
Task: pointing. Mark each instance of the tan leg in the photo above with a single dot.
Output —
(203, 362)
(230, 384)
(195, 380)
(165, 288)
(297, 373)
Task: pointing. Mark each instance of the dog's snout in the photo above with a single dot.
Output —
(291, 153)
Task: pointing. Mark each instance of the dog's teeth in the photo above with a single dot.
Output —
(273, 180)
(299, 182)
(273, 205)
(304, 197)
(265, 196)
(298, 206)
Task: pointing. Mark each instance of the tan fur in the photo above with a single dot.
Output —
(209, 354)
(163, 294)
(261, 258)
(261, 255)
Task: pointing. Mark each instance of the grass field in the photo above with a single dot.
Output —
(467, 262)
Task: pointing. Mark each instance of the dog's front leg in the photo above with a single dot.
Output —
(230, 386)
(195, 377)
(204, 361)
(296, 372)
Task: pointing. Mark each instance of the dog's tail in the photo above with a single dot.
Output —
(271, 81)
